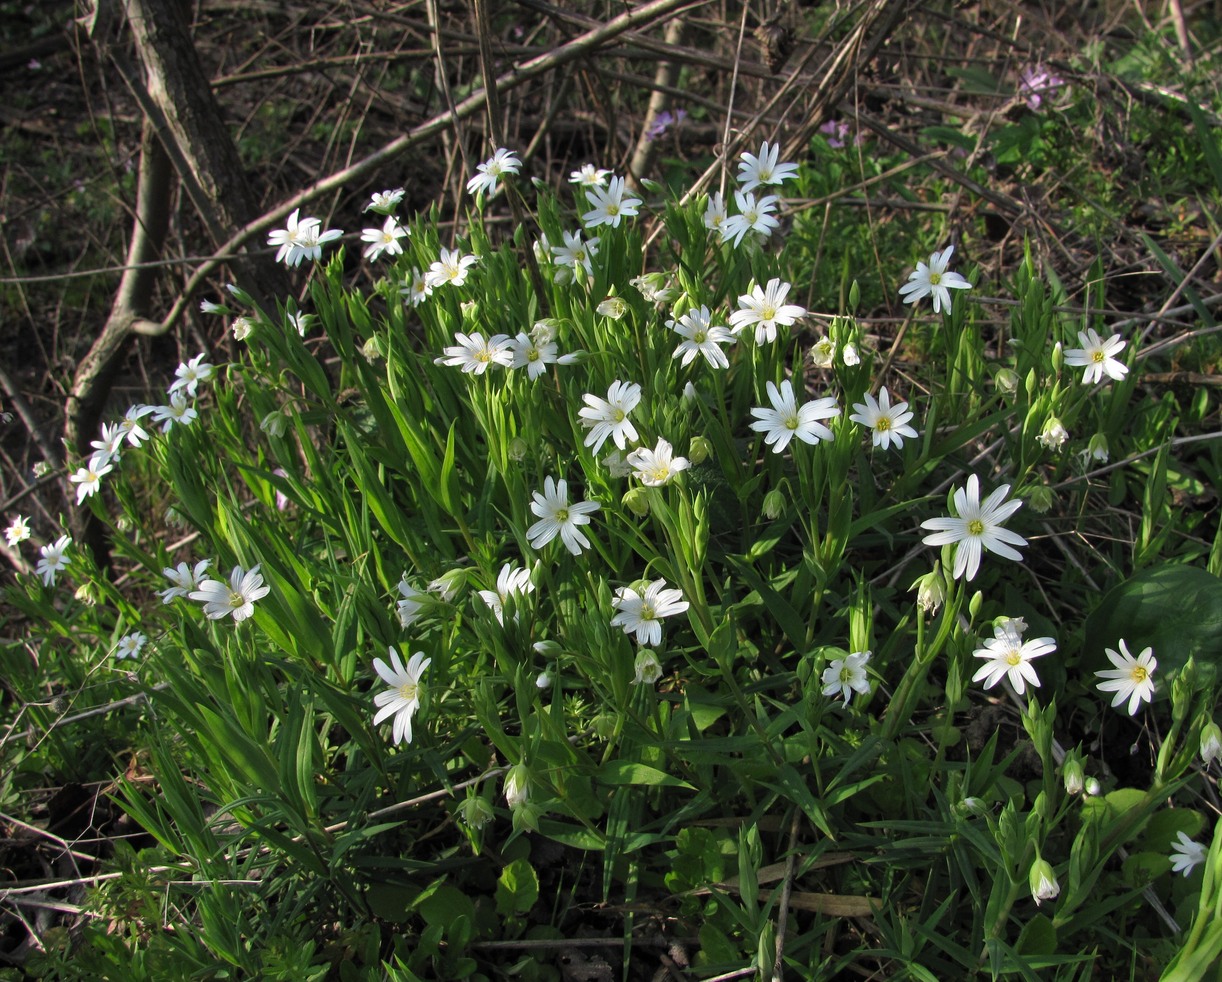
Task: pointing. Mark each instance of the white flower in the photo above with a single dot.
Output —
(384, 202)
(576, 252)
(613, 307)
(609, 417)
(1097, 356)
(823, 354)
(657, 466)
(417, 289)
(384, 239)
(1211, 743)
(767, 310)
(412, 603)
(237, 597)
(753, 216)
(786, 419)
(850, 355)
(976, 525)
(589, 176)
(763, 169)
(176, 412)
(844, 676)
(184, 579)
(647, 669)
(491, 170)
(934, 279)
(402, 699)
(473, 354)
(242, 328)
(888, 423)
(1043, 882)
(534, 354)
(642, 613)
(88, 480)
(1186, 854)
(450, 268)
(300, 239)
(1053, 435)
(609, 205)
(130, 426)
(212, 307)
(52, 559)
(616, 465)
(517, 786)
(300, 322)
(18, 530)
(1007, 654)
(715, 213)
(129, 645)
(701, 337)
(558, 517)
(512, 580)
(190, 374)
(1131, 679)
(108, 448)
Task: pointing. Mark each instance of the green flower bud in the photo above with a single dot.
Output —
(1007, 380)
(774, 505)
(1073, 774)
(854, 295)
(613, 307)
(1211, 742)
(1041, 499)
(517, 786)
(517, 449)
(636, 500)
(370, 350)
(699, 450)
(1092, 787)
(1097, 448)
(1058, 357)
(1043, 881)
(648, 668)
(475, 812)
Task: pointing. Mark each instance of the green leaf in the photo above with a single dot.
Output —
(619, 772)
(517, 888)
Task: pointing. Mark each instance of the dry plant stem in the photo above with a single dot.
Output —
(782, 917)
(665, 77)
(570, 51)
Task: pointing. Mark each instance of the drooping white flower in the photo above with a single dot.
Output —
(657, 466)
(108, 448)
(184, 579)
(129, 645)
(754, 170)
(130, 426)
(844, 676)
(1131, 679)
(557, 516)
(18, 530)
(176, 412)
(242, 328)
(647, 669)
(934, 280)
(610, 205)
(589, 176)
(412, 603)
(451, 268)
(235, 598)
(767, 310)
(511, 581)
(384, 202)
(701, 337)
(300, 239)
(535, 355)
(753, 216)
(384, 240)
(1097, 356)
(616, 465)
(715, 213)
(474, 355)
(52, 559)
(976, 526)
(823, 353)
(402, 699)
(1007, 655)
(491, 171)
(850, 355)
(1211, 743)
(608, 418)
(641, 613)
(1043, 882)
(1186, 855)
(888, 424)
(786, 419)
(417, 289)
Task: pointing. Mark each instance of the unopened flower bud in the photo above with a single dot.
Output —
(823, 353)
(274, 423)
(1041, 499)
(854, 295)
(1053, 435)
(648, 668)
(690, 395)
(699, 450)
(636, 501)
(1211, 742)
(517, 786)
(971, 806)
(370, 350)
(1043, 880)
(1097, 448)
(1073, 775)
(517, 449)
(1007, 380)
(85, 594)
(1092, 787)
(1058, 357)
(547, 648)
(613, 307)
(475, 812)
(544, 331)
(931, 590)
(543, 680)
(774, 505)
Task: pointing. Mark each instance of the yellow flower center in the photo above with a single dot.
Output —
(612, 210)
(1013, 657)
(483, 355)
(648, 613)
(700, 337)
(618, 414)
(935, 279)
(883, 424)
(408, 691)
(767, 312)
(1098, 355)
(975, 527)
(236, 599)
(1138, 675)
(562, 515)
(791, 422)
(846, 675)
(658, 472)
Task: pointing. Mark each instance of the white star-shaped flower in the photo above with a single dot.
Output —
(609, 205)
(753, 216)
(474, 355)
(1131, 679)
(844, 676)
(608, 418)
(1097, 356)
(701, 337)
(766, 309)
(451, 268)
(641, 613)
(384, 240)
(1007, 655)
(557, 516)
(402, 699)
(975, 526)
(934, 280)
(1186, 854)
(236, 598)
(491, 171)
(888, 424)
(786, 419)
(754, 170)
(657, 466)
